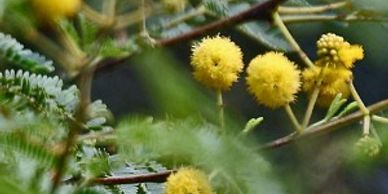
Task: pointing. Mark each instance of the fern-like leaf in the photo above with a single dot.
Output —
(25, 147)
(14, 53)
(44, 92)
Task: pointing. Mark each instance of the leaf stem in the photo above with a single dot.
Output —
(364, 110)
(311, 9)
(158, 177)
(313, 99)
(220, 105)
(330, 17)
(85, 83)
(380, 119)
(193, 13)
(258, 11)
(293, 118)
(286, 33)
(326, 127)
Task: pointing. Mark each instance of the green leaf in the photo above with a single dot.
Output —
(220, 7)
(87, 191)
(335, 105)
(251, 124)
(98, 115)
(189, 143)
(349, 108)
(47, 92)
(14, 53)
(34, 151)
(262, 31)
(370, 7)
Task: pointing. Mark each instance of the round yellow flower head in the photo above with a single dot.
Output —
(188, 181)
(273, 79)
(174, 5)
(53, 10)
(217, 62)
(335, 51)
(335, 81)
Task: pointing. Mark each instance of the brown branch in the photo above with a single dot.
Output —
(158, 177)
(258, 11)
(327, 127)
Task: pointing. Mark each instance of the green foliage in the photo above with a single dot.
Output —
(14, 53)
(219, 7)
(22, 145)
(187, 142)
(261, 31)
(42, 92)
(166, 80)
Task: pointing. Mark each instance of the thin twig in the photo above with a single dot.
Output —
(327, 127)
(193, 13)
(363, 108)
(293, 118)
(158, 177)
(380, 119)
(85, 83)
(313, 99)
(259, 11)
(311, 9)
(220, 105)
(283, 28)
(330, 17)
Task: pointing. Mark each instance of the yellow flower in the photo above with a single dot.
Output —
(273, 79)
(334, 81)
(351, 54)
(188, 181)
(53, 10)
(217, 62)
(335, 51)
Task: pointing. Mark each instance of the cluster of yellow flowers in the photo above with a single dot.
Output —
(336, 58)
(272, 78)
(188, 181)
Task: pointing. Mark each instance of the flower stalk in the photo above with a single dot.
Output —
(363, 108)
(286, 33)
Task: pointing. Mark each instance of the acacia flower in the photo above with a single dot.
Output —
(52, 10)
(334, 81)
(335, 51)
(217, 62)
(188, 181)
(273, 79)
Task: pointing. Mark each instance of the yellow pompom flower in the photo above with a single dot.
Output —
(334, 51)
(334, 81)
(217, 62)
(53, 10)
(273, 79)
(188, 181)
